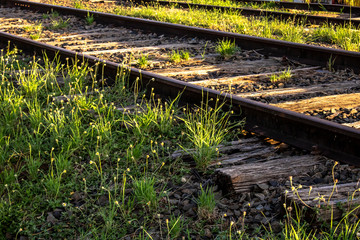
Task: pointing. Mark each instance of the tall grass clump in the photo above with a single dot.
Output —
(144, 192)
(153, 116)
(206, 203)
(206, 127)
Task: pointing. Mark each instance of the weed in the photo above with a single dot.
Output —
(204, 51)
(330, 64)
(153, 116)
(78, 4)
(226, 48)
(206, 203)
(206, 129)
(89, 19)
(53, 179)
(36, 28)
(35, 36)
(177, 56)
(143, 61)
(54, 14)
(144, 192)
(59, 24)
(185, 55)
(284, 76)
(174, 227)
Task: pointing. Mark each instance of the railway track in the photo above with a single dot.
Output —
(296, 17)
(249, 166)
(247, 74)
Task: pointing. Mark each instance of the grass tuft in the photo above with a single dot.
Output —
(226, 48)
(206, 128)
(206, 204)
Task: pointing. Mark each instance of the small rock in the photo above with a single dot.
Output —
(173, 201)
(51, 219)
(207, 233)
(103, 200)
(317, 175)
(263, 186)
(176, 212)
(318, 180)
(77, 196)
(221, 206)
(276, 226)
(188, 191)
(264, 221)
(185, 202)
(273, 183)
(267, 207)
(193, 41)
(177, 196)
(218, 195)
(8, 236)
(237, 213)
(275, 200)
(69, 213)
(260, 196)
(229, 214)
(353, 111)
(281, 85)
(234, 206)
(188, 206)
(260, 207)
(243, 196)
(328, 179)
(190, 213)
(258, 217)
(273, 100)
(57, 213)
(283, 147)
(183, 180)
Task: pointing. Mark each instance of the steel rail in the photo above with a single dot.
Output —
(333, 140)
(304, 53)
(309, 6)
(308, 18)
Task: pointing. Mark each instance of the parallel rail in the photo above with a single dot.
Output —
(310, 6)
(308, 54)
(314, 19)
(333, 140)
